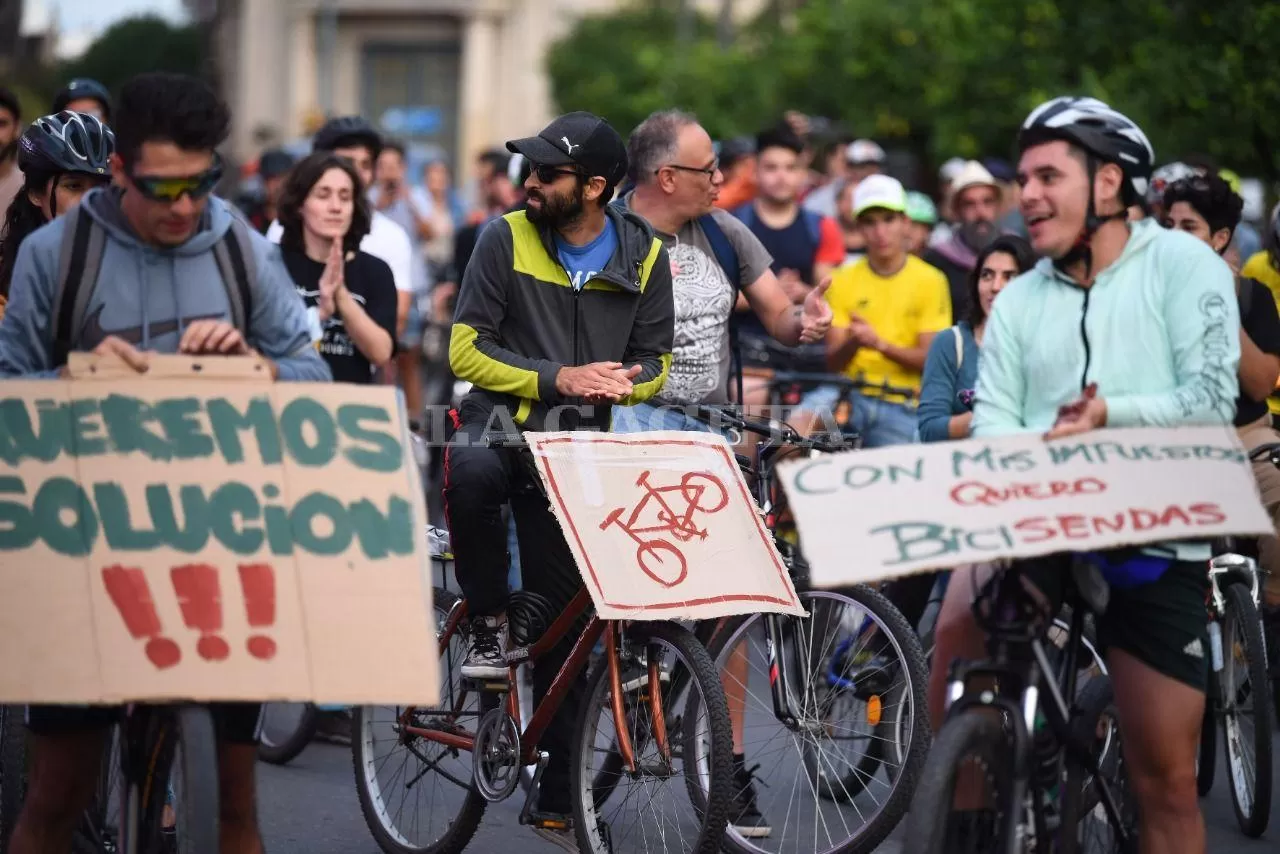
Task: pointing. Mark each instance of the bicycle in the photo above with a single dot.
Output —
(845, 691)
(1237, 697)
(650, 742)
(149, 749)
(1050, 785)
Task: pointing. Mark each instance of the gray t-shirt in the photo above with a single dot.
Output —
(704, 301)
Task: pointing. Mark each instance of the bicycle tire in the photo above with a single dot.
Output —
(974, 733)
(287, 749)
(99, 831)
(13, 769)
(712, 813)
(1207, 758)
(158, 736)
(850, 785)
(1082, 795)
(463, 826)
(1242, 617)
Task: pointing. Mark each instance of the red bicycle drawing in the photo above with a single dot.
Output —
(660, 559)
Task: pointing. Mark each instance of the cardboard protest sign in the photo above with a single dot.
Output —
(878, 514)
(662, 525)
(210, 535)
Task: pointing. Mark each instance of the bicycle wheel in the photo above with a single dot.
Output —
(1207, 758)
(393, 765)
(843, 774)
(170, 745)
(703, 492)
(287, 729)
(640, 814)
(1246, 711)
(973, 746)
(13, 769)
(1097, 723)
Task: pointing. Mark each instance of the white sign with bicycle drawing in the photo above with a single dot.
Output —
(877, 514)
(662, 525)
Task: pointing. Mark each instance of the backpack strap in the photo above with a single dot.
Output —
(959, 339)
(1246, 297)
(79, 261)
(234, 254)
(727, 258)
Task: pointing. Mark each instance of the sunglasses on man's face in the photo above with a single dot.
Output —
(549, 174)
(171, 189)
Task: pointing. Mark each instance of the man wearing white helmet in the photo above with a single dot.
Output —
(1120, 325)
(974, 202)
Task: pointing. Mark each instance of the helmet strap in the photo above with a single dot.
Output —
(1082, 250)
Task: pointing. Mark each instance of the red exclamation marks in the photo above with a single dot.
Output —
(200, 599)
(129, 592)
(259, 583)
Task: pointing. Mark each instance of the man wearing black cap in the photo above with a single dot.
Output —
(565, 309)
(273, 166)
(87, 96)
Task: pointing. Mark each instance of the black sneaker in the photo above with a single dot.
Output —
(484, 659)
(744, 815)
(334, 727)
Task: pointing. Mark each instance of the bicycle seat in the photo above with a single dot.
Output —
(1091, 587)
(744, 463)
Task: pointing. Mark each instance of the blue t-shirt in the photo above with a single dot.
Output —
(583, 262)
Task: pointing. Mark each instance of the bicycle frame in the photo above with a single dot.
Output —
(573, 665)
(1019, 666)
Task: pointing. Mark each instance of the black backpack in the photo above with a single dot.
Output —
(84, 242)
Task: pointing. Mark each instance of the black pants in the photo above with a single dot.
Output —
(478, 481)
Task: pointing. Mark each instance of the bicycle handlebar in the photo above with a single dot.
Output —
(768, 428)
(842, 381)
(1271, 449)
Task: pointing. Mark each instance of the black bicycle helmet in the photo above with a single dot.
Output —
(84, 87)
(347, 130)
(67, 142)
(1107, 134)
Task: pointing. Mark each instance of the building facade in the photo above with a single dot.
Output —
(456, 74)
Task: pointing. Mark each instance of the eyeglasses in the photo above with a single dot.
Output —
(709, 171)
(549, 174)
(167, 189)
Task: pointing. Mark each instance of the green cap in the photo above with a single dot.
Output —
(920, 208)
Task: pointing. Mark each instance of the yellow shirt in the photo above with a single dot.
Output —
(1259, 267)
(914, 301)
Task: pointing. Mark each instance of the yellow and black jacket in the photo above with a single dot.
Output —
(519, 320)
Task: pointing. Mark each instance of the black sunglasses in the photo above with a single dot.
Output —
(168, 189)
(549, 174)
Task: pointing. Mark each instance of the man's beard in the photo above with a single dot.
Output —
(559, 211)
(977, 235)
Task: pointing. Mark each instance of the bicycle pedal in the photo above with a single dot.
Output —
(550, 821)
(496, 686)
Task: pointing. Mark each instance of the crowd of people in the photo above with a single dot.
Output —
(634, 277)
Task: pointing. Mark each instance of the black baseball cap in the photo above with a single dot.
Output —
(579, 139)
(273, 162)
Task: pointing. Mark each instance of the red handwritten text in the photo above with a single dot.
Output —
(972, 492)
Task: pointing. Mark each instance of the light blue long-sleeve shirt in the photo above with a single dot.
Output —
(1158, 331)
(149, 295)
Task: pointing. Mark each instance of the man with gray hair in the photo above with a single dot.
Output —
(715, 261)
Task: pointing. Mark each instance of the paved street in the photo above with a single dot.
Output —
(310, 807)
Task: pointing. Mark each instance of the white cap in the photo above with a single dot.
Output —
(863, 151)
(949, 170)
(879, 191)
(972, 174)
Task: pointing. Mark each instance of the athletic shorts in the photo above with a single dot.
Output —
(1163, 624)
(234, 723)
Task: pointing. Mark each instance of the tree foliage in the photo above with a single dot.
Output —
(135, 45)
(943, 79)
